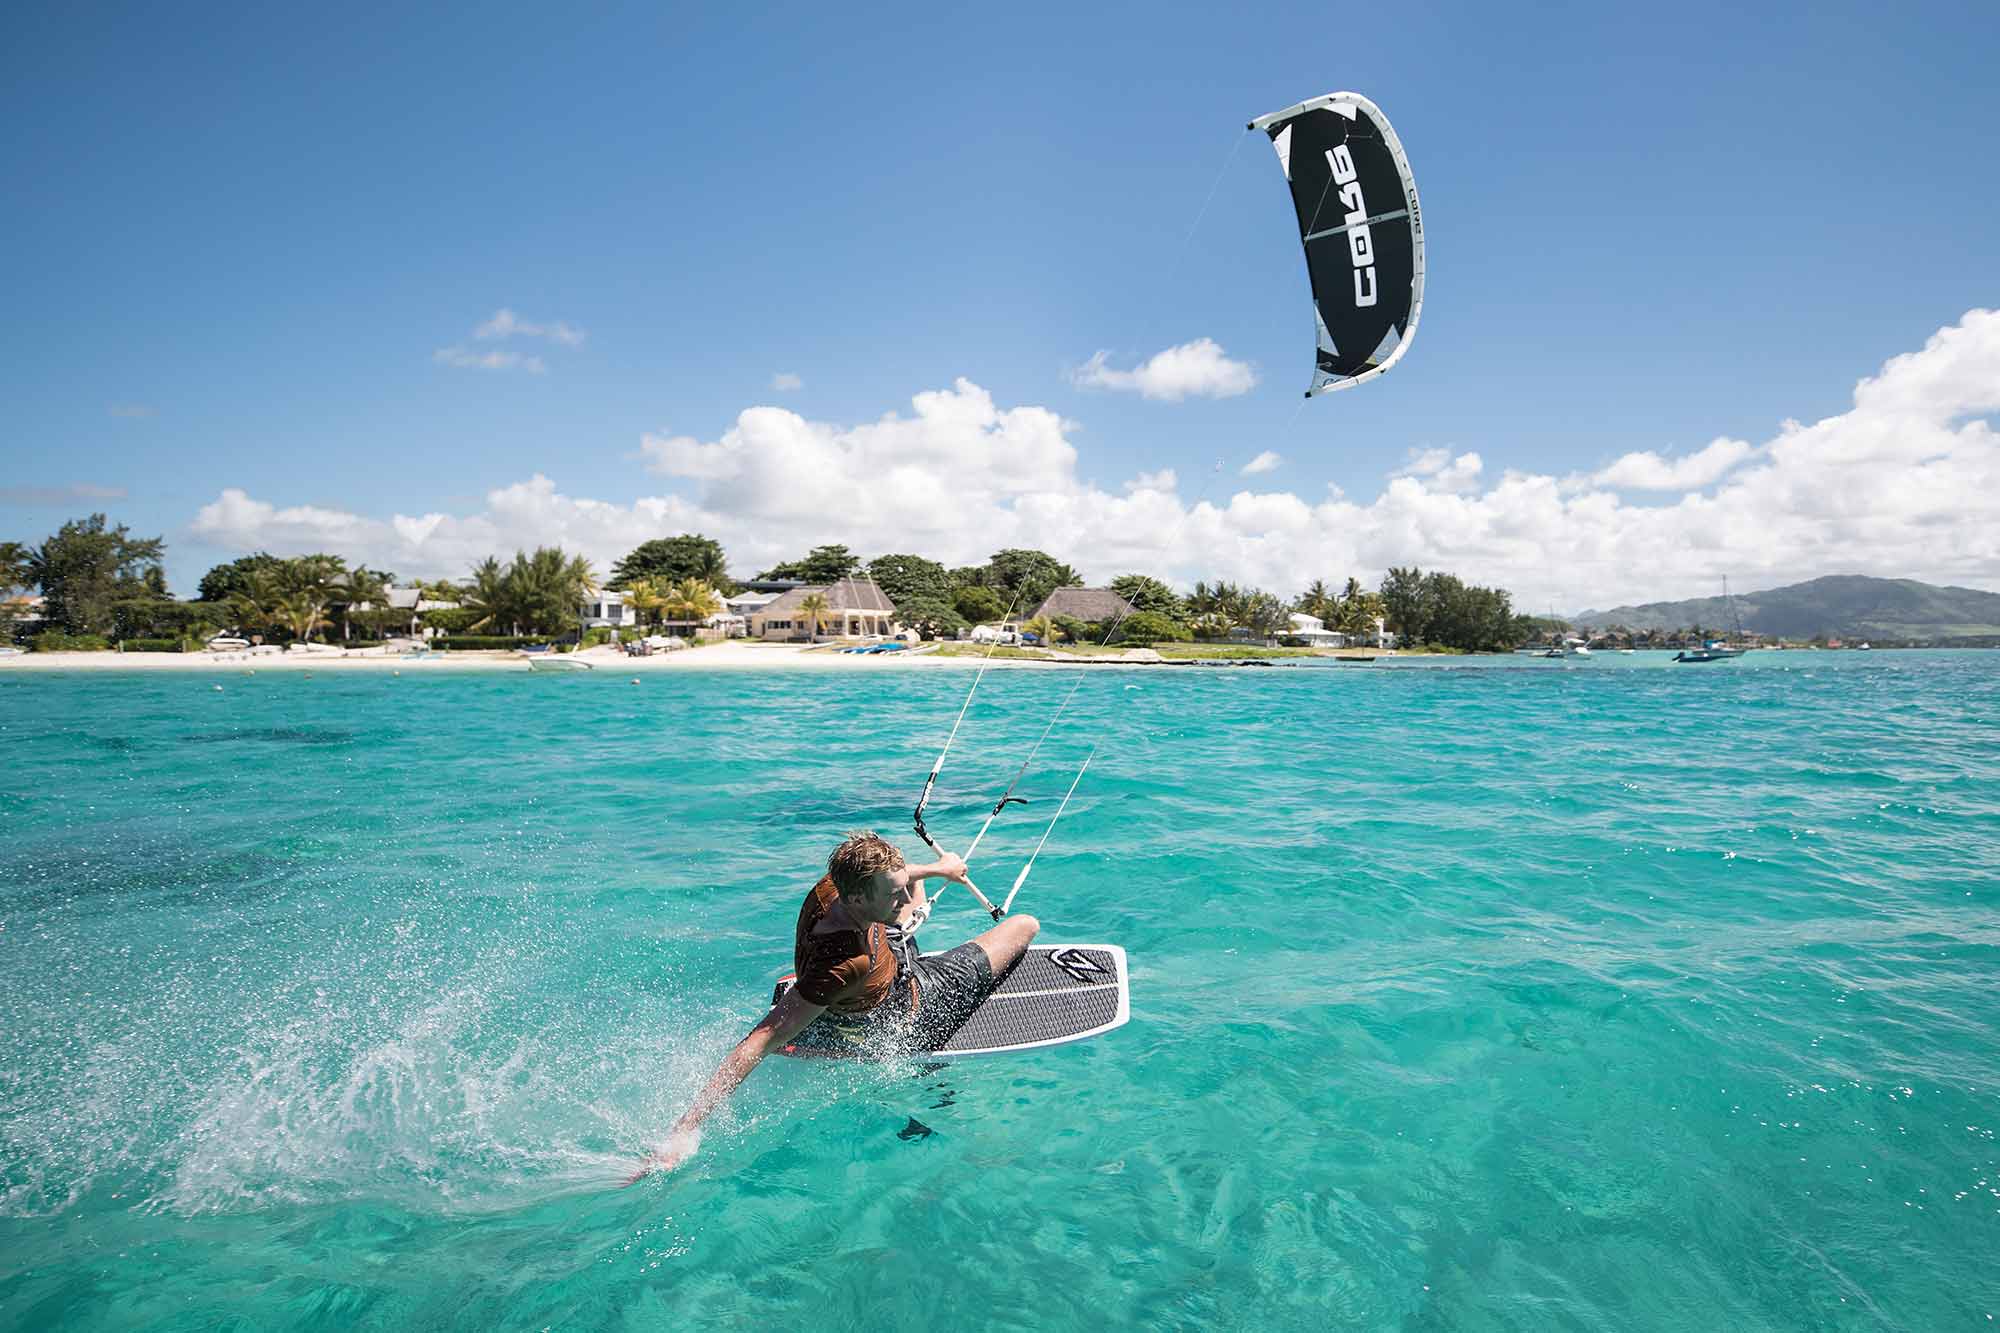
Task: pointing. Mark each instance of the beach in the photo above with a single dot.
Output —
(730, 655)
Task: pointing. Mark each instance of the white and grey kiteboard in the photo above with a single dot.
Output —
(1057, 993)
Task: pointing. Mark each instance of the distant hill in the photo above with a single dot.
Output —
(1847, 606)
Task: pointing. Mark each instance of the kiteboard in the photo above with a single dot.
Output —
(1057, 993)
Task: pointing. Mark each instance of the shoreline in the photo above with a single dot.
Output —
(730, 655)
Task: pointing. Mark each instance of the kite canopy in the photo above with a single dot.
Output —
(1362, 230)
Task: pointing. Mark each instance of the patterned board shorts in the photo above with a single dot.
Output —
(949, 986)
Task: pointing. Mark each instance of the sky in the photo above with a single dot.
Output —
(1708, 292)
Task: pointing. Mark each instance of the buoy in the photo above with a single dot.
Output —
(635, 680)
(218, 689)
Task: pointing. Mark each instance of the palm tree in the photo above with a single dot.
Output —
(258, 605)
(647, 598)
(301, 612)
(1317, 600)
(691, 601)
(813, 608)
(361, 587)
(486, 594)
(1042, 628)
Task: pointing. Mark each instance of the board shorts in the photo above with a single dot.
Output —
(948, 987)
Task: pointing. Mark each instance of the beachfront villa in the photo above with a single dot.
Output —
(412, 602)
(1315, 633)
(746, 603)
(854, 607)
(607, 608)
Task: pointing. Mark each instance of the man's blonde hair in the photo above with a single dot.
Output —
(856, 860)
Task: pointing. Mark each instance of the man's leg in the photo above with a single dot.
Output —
(1005, 943)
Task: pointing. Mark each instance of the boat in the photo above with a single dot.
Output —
(1715, 650)
(10, 652)
(551, 662)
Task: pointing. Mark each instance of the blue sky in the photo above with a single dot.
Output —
(238, 245)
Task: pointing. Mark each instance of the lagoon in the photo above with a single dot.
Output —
(1468, 994)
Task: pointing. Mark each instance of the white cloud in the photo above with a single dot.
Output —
(506, 324)
(1648, 471)
(1200, 369)
(1443, 471)
(1268, 461)
(786, 382)
(466, 359)
(1906, 482)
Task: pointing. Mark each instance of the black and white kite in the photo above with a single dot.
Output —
(1362, 230)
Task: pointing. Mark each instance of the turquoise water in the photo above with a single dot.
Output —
(1487, 994)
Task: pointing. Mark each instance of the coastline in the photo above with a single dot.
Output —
(731, 655)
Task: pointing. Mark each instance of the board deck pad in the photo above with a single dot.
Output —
(1057, 993)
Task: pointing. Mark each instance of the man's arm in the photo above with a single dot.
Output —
(788, 1018)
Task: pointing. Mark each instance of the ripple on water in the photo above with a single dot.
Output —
(1466, 996)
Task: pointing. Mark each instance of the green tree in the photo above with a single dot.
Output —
(89, 567)
(1403, 597)
(1318, 600)
(690, 602)
(485, 594)
(822, 565)
(225, 581)
(1042, 628)
(360, 587)
(1146, 593)
(1077, 631)
(16, 567)
(1024, 578)
(904, 578)
(1356, 615)
(666, 560)
(1151, 627)
(1265, 613)
(979, 604)
(932, 617)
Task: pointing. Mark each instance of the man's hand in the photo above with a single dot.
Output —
(680, 1146)
(952, 866)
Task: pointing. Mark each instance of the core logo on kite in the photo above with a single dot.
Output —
(1080, 966)
(1360, 245)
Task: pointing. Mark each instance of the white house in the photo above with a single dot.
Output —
(607, 607)
(1314, 631)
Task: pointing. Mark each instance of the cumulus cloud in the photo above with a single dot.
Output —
(786, 382)
(506, 324)
(1905, 482)
(1649, 471)
(1200, 369)
(466, 359)
(1268, 461)
(1443, 471)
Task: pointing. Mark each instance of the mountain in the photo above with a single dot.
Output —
(1847, 606)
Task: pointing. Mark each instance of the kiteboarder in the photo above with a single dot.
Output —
(854, 951)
